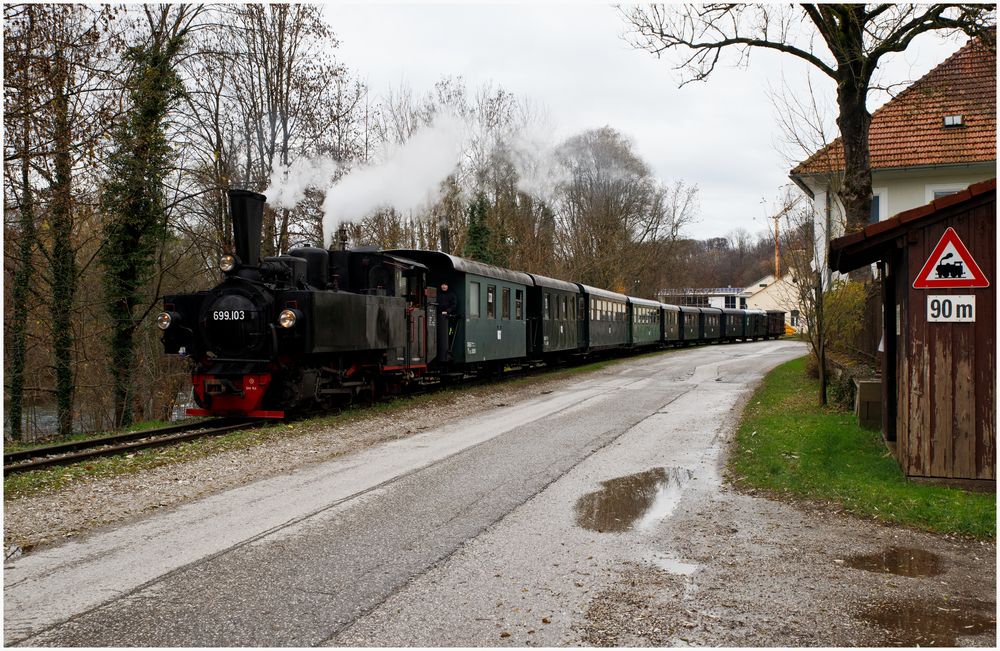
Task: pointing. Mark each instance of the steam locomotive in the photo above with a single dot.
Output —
(314, 328)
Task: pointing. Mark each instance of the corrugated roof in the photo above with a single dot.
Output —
(909, 130)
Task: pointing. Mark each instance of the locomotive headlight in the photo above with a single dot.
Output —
(227, 263)
(287, 318)
(163, 320)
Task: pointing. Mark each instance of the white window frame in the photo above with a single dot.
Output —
(883, 202)
(930, 189)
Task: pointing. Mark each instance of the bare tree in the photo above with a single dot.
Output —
(846, 42)
(611, 206)
(68, 94)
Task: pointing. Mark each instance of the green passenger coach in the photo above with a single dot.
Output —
(644, 322)
(492, 304)
(606, 318)
(554, 313)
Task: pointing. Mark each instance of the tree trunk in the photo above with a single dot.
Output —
(20, 293)
(854, 121)
(26, 248)
(63, 260)
(820, 337)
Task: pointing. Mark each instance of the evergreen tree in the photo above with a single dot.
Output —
(133, 198)
(477, 240)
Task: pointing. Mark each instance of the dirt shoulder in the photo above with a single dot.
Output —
(747, 570)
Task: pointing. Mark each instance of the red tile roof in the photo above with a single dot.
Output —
(909, 131)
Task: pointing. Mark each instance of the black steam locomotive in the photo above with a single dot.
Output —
(315, 327)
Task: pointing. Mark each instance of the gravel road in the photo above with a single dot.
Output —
(589, 510)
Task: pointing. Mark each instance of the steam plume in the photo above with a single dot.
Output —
(409, 178)
(286, 186)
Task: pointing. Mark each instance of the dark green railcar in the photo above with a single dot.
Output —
(491, 324)
(606, 322)
(644, 322)
(554, 316)
(756, 327)
(690, 326)
(710, 323)
(775, 324)
(733, 324)
(670, 322)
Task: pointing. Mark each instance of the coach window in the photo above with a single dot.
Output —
(474, 300)
(491, 302)
(545, 306)
(562, 308)
(518, 304)
(505, 303)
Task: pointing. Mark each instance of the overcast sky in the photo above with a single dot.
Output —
(572, 59)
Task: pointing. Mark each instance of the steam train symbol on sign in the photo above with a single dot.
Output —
(950, 270)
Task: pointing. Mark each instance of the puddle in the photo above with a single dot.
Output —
(632, 502)
(915, 623)
(672, 565)
(899, 560)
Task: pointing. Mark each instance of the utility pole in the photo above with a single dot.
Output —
(777, 246)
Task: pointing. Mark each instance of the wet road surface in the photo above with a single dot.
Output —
(422, 541)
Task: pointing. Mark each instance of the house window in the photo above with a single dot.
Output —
(873, 215)
(934, 191)
(795, 318)
(730, 302)
(953, 121)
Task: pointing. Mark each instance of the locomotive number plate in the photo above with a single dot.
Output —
(229, 315)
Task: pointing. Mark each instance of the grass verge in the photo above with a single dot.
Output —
(788, 445)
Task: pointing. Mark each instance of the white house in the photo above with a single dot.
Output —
(936, 137)
(770, 293)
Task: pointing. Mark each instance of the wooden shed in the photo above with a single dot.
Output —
(938, 269)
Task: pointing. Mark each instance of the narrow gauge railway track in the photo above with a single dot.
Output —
(66, 453)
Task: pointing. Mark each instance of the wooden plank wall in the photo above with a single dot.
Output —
(946, 408)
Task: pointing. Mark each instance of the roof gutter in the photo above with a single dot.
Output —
(797, 180)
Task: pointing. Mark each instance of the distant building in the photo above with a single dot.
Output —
(770, 293)
(722, 297)
(935, 138)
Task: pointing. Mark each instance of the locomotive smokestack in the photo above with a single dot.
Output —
(247, 211)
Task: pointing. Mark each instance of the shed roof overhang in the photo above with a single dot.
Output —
(877, 240)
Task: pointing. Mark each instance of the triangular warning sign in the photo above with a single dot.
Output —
(950, 265)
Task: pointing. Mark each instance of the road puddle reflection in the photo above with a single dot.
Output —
(899, 560)
(915, 623)
(632, 502)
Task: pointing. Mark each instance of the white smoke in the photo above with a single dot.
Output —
(408, 179)
(540, 171)
(286, 186)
